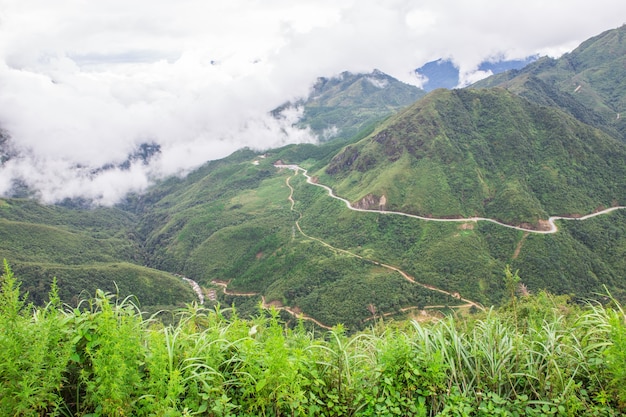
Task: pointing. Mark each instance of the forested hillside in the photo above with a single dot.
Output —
(85, 249)
(489, 153)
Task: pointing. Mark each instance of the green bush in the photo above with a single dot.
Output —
(538, 356)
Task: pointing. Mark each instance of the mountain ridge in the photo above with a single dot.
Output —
(342, 105)
(588, 82)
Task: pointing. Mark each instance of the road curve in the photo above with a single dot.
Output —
(553, 227)
(265, 305)
(390, 267)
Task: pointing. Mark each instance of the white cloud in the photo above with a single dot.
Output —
(82, 84)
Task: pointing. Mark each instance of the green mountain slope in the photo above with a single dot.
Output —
(341, 106)
(589, 83)
(85, 250)
(234, 223)
(489, 153)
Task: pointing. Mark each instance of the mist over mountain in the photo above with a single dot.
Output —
(588, 83)
(341, 106)
(84, 87)
(443, 73)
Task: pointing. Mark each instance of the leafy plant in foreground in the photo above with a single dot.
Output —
(34, 351)
(105, 359)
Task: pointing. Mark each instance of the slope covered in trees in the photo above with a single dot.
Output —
(489, 153)
(589, 83)
(85, 249)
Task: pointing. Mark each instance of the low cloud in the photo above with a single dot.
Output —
(83, 86)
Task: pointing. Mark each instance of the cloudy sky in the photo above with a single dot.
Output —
(84, 83)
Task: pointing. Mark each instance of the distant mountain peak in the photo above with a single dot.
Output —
(444, 73)
(589, 83)
(342, 105)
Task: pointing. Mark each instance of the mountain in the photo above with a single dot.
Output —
(265, 232)
(589, 83)
(489, 153)
(442, 73)
(341, 106)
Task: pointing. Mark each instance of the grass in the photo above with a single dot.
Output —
(538, 355)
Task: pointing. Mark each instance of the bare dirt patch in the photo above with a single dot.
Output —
(467, 226)
(544, 225)
(371, 202)
(275, 303)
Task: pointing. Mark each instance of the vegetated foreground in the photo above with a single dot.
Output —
(538, 355)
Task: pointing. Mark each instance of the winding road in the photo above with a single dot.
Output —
(553, 228)
(267, 306)
(467, 303)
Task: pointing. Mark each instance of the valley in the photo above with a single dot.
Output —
(297, 313)
(410, 202)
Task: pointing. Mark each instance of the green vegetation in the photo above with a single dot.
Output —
(85, 249)
(537, 356)
(488, 153)
(231, 221)
(247, 237)
(592, 250)
(152, 287)
(588, 83)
